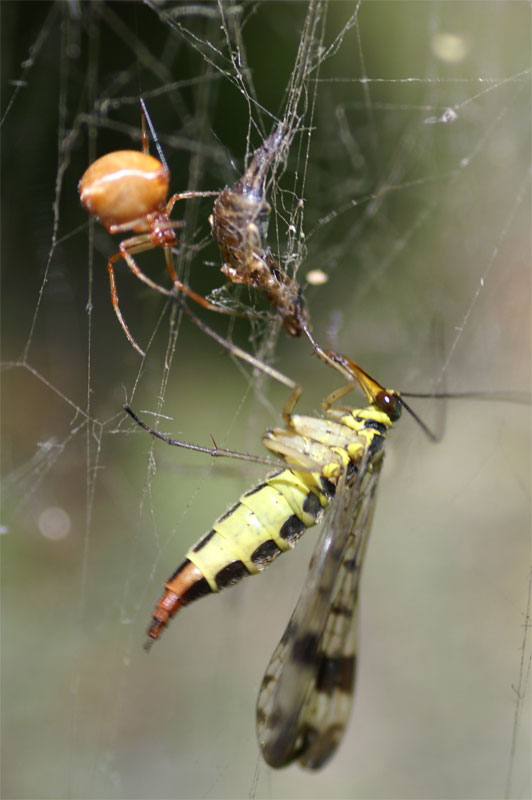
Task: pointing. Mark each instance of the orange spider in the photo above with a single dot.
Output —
(127, 190)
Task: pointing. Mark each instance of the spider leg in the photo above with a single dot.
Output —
(139, 244)
(136, 244)
(243, 355)
(198, 298)
(114, 300)
(144, 133)
(186, 196)
(129, 248)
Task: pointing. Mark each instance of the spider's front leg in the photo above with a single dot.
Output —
(136, 244)
(198, 298)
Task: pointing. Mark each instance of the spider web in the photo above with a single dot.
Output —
(408, 183)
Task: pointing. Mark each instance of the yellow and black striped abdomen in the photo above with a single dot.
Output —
(265, 522)
(269, 519)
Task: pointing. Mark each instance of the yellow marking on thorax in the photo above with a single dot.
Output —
(371, 413)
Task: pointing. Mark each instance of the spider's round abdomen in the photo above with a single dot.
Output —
(123, 187)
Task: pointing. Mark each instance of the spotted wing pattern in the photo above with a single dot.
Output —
(306, 693)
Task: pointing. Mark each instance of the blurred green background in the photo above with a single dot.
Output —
(416, 220)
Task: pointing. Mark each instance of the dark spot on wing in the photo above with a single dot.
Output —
(268, 678)
(275, 718)
(342, 610)
(318, 746)
(335, 673)
(305, 648)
